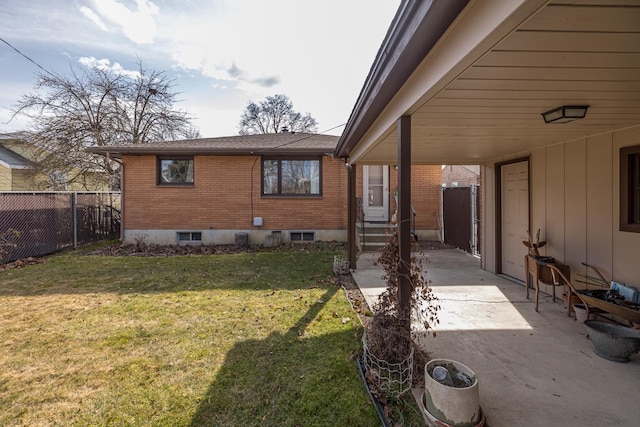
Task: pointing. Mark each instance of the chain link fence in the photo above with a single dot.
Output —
(40, 223)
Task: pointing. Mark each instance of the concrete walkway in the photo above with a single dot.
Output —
(534, 369)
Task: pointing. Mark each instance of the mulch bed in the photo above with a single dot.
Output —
(170, 250)
(22, 263)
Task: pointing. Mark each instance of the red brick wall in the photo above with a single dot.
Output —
(426, 181)
(426, 184)
(226, 195)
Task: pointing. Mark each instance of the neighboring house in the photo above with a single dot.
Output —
(460, 175)
(16, 171)
(206, 191)
(20, 170)
(468, 82)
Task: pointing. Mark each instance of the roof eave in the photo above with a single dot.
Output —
(16, 166)
(415, 29)
(137, 151)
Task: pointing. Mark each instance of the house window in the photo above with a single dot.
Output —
(630, 189)
(302, 236)
(175, 170)
(291, 176)
(59, 180)
(189, 237)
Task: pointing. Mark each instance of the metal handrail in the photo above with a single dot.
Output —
(413, 214)
(360, 216)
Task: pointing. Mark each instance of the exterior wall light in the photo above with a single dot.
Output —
(565, 114)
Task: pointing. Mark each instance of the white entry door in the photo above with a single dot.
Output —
(515, 217)
(375, 179)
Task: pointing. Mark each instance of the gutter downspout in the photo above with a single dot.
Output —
(351, 213)
(121, 194)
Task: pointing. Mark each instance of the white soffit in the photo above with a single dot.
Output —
(479, 93)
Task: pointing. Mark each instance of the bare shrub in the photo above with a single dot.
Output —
(389, 333)
(7, 241)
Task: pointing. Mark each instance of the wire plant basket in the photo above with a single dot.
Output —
(340, 265)
(394, 379)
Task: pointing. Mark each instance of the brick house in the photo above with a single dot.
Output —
(205, 191)
(460, 175)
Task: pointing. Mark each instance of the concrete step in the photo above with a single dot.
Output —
(372, 247)
(374, 236)
(374, 229)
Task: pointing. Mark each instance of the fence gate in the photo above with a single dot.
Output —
(460, 217)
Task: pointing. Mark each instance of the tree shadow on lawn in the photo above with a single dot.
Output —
(291, 379)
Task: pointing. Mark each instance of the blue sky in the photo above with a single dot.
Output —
(221, 53)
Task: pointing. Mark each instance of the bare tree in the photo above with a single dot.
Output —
(7, 241)
(274, 115)
(99, 107)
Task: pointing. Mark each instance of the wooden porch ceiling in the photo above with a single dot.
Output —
(567, 52)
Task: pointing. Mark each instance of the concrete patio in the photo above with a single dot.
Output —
(534, 369)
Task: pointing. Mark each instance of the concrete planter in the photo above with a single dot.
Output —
(455, 400)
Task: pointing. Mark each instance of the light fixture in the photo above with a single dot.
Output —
(565, 114)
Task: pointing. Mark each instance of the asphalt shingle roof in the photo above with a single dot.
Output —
(13, 160)
(276, 143)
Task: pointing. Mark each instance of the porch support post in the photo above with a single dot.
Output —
(404, 214)
(351, 215)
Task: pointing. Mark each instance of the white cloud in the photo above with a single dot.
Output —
(105, 64)
(137, 25)
(317, 53)
(93, 17)
(223, 120)
(229, 51)
(9, 94)
(11, 123)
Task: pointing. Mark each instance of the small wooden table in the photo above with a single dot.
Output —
(537, 270)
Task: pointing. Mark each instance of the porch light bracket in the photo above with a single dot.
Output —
(565, 114)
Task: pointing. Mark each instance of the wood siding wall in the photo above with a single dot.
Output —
(575, 201)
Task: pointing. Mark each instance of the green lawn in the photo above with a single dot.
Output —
(259, 338)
